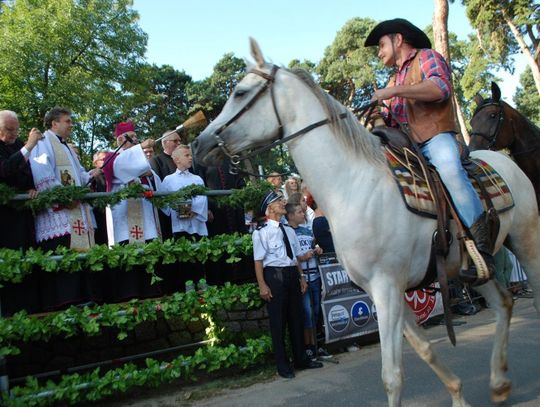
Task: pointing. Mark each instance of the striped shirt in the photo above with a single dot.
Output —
(433, 67)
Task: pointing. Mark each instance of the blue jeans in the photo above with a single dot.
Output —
(311, 300)
(442, 151)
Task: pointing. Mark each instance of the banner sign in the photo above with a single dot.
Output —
(425, 305)
(347, 310)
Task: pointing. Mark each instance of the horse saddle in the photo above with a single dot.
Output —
(411, 181)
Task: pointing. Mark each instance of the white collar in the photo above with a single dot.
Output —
(272, 222)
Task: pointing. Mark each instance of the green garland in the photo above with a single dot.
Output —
(92, 386)
(16, 264)
(247, 197)
(90, 321)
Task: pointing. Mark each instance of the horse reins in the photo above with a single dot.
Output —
(270, 79)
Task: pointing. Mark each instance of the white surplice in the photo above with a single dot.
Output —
(55, 221)
(199, 204)
(128, 167)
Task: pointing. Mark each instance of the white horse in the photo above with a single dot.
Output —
(384, 247)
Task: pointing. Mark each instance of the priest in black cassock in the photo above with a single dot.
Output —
(225, 220)
(17, 226)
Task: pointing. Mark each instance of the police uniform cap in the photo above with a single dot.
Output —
(269, 198)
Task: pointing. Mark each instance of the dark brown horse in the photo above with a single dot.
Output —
(496, 125)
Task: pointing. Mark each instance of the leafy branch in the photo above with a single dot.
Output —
(16, 264)
(247, 197)
(92, 386)
(189, 307)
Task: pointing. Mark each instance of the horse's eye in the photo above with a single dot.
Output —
(238, 93)
(492, 115)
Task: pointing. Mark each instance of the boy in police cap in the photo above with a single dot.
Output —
(419, 100)
(281, 283)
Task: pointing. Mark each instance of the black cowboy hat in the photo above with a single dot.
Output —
(412, 34)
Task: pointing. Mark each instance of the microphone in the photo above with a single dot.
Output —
(130, 139)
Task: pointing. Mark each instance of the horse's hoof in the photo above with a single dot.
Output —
(501, 393)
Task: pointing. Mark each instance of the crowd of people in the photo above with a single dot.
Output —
(47, 160)
(291, 231)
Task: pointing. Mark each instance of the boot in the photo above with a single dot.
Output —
(482, 267)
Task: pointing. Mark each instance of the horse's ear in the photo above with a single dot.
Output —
(495, 92)
(256, 52)
(478, 99)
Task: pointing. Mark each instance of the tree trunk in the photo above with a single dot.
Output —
(530, 58)
(442, 45)
(440, 28)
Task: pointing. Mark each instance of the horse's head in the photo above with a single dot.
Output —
(490, 130)
(249, 118)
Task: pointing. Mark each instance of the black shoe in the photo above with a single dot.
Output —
(287, 374)
(310, 364)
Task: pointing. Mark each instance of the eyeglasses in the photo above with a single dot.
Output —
(11, 130)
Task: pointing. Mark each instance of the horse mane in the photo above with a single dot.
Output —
(535, 130)
(350, 132)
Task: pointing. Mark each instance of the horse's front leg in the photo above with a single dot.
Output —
(389, 302)
(501, 301)
(424, 349)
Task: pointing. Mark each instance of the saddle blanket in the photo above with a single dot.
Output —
(418, 198)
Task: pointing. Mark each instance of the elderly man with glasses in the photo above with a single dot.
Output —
(17, 225)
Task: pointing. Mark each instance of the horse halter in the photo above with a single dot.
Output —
(491, 138)
(281, 139)
(235, 158)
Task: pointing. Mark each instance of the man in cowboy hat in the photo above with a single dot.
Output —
(419, 100)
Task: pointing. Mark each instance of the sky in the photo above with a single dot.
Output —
(192, 36)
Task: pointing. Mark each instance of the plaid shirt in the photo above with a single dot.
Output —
(433, 67)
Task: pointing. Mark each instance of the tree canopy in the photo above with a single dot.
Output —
(89, 56)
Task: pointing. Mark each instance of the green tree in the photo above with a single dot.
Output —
(526, 99)
(348, 70)
(74, 53)
(506, 27)
(306, 65)
(157, 100)
(210, 94)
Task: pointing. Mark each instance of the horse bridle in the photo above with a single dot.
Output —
(281, 139)
(491, 138)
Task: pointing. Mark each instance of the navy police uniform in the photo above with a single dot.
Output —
(282, 277)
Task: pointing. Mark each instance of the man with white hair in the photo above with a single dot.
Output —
(17, 225)
(163, 163)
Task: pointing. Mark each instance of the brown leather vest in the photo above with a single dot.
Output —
(427, 119)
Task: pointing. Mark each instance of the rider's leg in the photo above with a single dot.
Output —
(442, 152)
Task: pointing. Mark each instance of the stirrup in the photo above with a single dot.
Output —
(478, 273)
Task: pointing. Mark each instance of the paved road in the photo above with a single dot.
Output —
(355, 381)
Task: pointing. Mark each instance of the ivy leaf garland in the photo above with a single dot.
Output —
(16, 264)
(93, 386)
(247, 197)
(189, 307)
